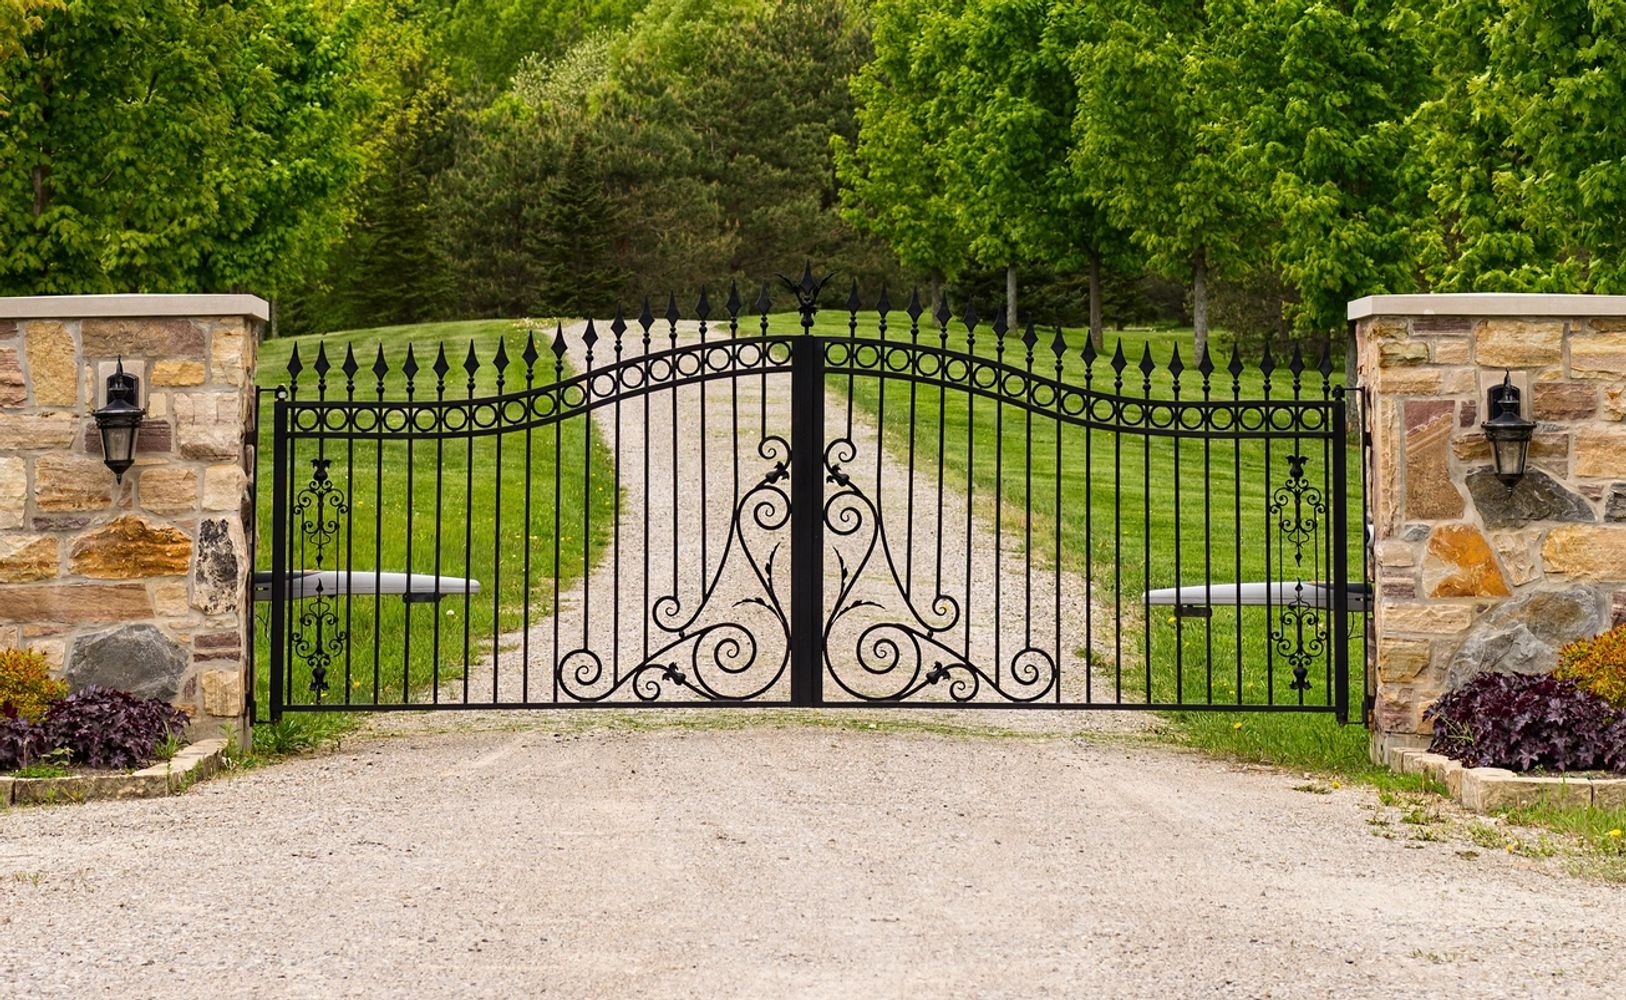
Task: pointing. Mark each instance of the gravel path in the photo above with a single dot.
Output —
(758, 854)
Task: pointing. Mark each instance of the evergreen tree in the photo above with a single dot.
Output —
(578, 273)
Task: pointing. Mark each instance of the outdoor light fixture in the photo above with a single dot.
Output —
(119, 419)
(1507, 431)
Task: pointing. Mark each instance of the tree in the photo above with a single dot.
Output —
(1156, 139)
(1522, 147)
(485, 42)
(387, 266)
(577, 266)
(892, 171)
(156, 145)
(1327, 90)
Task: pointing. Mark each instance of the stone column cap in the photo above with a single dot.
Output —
(122, 306)
(1534, 305)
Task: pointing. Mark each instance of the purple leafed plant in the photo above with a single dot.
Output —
(101, 727)
(1528, 721)
(21, 742)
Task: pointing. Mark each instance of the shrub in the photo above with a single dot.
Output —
(106, 728)
(21, 742)
(1598, 665)
(26, 684)
(1524, 721)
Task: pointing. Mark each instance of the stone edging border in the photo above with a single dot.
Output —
(1483, 789)
(191, 763)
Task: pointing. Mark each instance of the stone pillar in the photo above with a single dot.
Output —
(1471, 576)
(141, 585)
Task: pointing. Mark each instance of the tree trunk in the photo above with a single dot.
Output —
(935, 285)
(1199, 303)
(1095, 298)
(1010, 296)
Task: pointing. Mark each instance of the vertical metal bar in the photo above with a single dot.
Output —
(1340, 562)
(279, 551)
(807, 521)
(440, 512)
(530, 528)
(349, 522)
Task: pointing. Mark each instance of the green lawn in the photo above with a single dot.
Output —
(1128, 523)
(486, 513)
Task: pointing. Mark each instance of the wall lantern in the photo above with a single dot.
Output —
(1507, 432)
(119, 419)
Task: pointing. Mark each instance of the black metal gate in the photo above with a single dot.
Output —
(882, 511)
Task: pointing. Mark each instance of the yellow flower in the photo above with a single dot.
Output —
(1337, 785)
(1616, 833)
(1171, 619)
(1236, 725)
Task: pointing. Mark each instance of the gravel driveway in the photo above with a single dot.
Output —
(764, 855)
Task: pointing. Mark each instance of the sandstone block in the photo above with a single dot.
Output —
(139, 659)
(168, 489)
(1422, 618)
(1442, 324)
(1609, 793)
(1395, 553)
(37, 431)
(1586, 551)
(1409, 381)
(13, 491)
(1460, 563)
(1520, 553)
(1459, 381)
(131, 548)
(1382, 328)
(208, 425)
(1398, 710)
(1430, 494)
(223, 487)
(1598, 356)
(1600, 452)
(226, 359)
(74, 603)
(1614, 402)
(1518, 343)
(140, 337)
(178, 372)
(66, 482)
(1402, 661)
(13, 388)
(223, 693)
(1451, 351)
(1485, 789)
(171, 599)
(52, 364)
(27, 557)
(1403, 352)
(1564, 401)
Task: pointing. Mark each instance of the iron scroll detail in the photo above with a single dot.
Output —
(1300, 632)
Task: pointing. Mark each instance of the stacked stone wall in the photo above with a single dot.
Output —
(1470, 575)
(141, 585)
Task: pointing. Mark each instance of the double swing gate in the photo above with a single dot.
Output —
(896, 507)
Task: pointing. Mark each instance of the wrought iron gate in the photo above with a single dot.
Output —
(886, 511)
